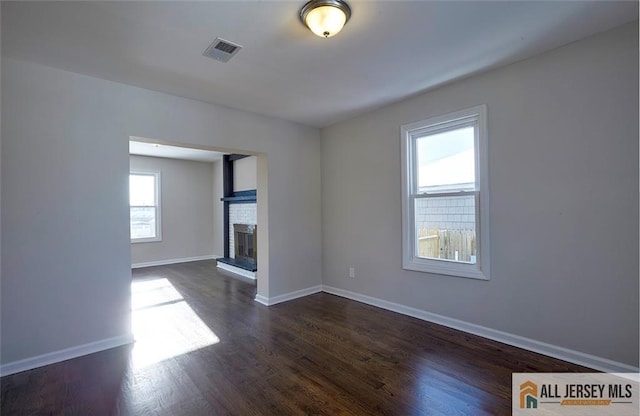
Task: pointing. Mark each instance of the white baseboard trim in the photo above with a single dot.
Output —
(576, 357)
(236, 270)
(173, 261)
(288, 296)
(262, 299)
(65, 354)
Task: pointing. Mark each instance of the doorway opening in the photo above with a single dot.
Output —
(196, 216)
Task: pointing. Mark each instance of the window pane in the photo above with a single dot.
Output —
(142, 190)
(446, 160)
(446, 228)
(143, 222)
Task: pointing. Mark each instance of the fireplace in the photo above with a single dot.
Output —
(245, 245)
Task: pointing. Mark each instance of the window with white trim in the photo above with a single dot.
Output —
(144, 207)
(445, 190)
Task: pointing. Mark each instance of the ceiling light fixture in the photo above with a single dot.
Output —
(325, 18)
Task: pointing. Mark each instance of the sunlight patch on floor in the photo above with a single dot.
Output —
(163, 323)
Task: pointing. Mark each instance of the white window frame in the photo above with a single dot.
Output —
(409, 134)
(158, 200)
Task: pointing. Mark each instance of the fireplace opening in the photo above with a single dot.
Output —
(245, 243)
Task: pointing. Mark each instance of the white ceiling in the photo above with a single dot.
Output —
(172, 152)
(388, 51)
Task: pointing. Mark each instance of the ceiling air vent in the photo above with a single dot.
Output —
(222, 50)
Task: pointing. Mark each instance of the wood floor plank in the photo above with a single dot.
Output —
(318, 355)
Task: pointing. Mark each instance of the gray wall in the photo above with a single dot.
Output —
(65, 218)
(563, 166)
(187, 210)
(244, 174)
(218, 207)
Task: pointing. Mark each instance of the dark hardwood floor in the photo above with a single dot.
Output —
(318, 355)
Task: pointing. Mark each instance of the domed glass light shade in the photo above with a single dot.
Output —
(325, 18)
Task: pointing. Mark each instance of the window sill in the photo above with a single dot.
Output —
(447, 268)
(146, 240)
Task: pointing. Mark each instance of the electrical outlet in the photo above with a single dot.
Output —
(352, 272)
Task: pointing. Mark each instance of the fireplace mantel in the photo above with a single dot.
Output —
(241, 197)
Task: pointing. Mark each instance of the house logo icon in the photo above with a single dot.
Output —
(528, 395)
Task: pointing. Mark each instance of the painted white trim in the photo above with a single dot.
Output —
(572, 356)
(288, 296)
(409, 133)
(65, 354)
(236, 270)
(262, 299)
(173, 261)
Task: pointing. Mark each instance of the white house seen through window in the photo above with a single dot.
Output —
(445, 195)
(144, 206)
